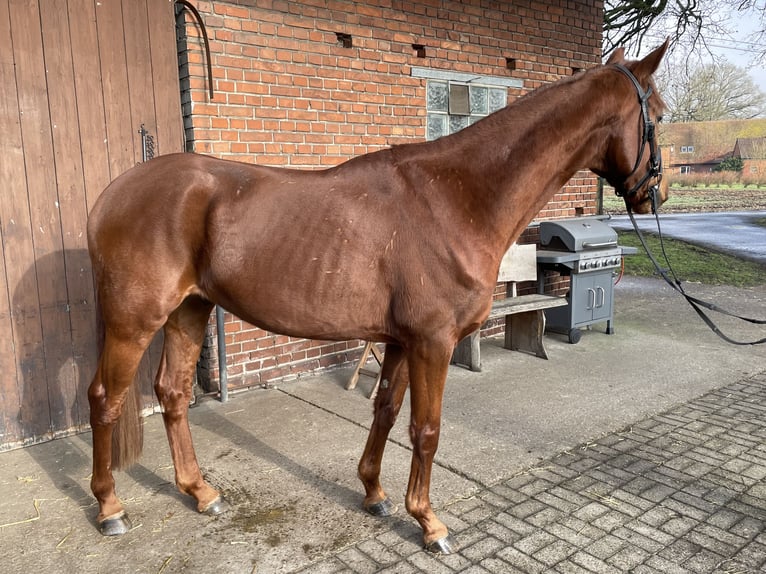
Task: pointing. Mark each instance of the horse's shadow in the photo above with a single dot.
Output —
(242, 439)
(343, 499)
(56, 333)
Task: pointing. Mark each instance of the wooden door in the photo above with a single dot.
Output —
(78, 78)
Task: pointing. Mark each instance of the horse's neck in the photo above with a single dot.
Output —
(513, 163)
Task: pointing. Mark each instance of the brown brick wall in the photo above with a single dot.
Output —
(288, 93)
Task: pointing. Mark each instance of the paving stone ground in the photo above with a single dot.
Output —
(680, 492)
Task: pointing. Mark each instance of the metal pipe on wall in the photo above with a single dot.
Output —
(221, 336)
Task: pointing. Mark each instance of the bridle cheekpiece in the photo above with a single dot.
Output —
(647, 136)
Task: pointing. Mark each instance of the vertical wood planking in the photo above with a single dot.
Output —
(139, 68)
(77, 78)
(114, 83)
(90, 102)
(9, 391)
(80, 309)
(14, 234)
(41, 375)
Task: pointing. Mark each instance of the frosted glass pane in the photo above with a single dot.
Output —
(457, 123)
(436, 126)
(478, 100)
(497, 99)
(437, 97)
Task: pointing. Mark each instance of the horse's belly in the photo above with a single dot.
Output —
(331, 298)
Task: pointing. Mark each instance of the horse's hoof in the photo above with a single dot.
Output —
(115, 525)
(218, 506)
(446, 545)
(383, 508)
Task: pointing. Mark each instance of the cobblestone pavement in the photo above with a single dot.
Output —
(680, 492)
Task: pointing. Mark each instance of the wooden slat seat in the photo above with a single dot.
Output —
(524, 314)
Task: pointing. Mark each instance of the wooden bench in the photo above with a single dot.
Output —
(524, 314)
(369, 349)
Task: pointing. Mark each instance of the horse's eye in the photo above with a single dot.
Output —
(659, 119)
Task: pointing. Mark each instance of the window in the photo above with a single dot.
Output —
(685, 169)
(687, 149)
(455, 100)
(753, 169)
(451, 106)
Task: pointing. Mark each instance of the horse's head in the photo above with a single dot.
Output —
(633, 160)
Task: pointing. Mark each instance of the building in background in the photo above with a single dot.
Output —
(699, 147)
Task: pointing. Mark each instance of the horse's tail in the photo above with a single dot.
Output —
(128, 434)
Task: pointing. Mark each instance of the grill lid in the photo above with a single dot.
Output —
(577, 234)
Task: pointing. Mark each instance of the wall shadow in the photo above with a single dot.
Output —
(57, 336)
(56, 344)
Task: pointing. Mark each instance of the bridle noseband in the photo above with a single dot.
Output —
(647, 136)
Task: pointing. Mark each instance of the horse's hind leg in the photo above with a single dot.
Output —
(394, 381)
(108, 394)
(184, 334)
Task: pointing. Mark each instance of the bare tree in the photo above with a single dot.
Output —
(691, 24)
(713, 91)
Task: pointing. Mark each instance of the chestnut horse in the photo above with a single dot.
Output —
(400, 246)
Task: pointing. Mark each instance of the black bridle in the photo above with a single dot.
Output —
(655, 171)
(648, 136)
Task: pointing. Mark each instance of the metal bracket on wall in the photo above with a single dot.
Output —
(147, 144)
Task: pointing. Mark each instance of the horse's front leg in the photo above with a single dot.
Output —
(393, 384)
(428, 372)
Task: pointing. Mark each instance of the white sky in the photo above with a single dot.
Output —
(745, 50)
(738, 49)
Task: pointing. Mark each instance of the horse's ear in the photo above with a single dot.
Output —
(616, 57)
(649, 65)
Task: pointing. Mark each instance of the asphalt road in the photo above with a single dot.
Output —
(735, 233)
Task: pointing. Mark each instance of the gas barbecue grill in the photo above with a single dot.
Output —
(585, 249)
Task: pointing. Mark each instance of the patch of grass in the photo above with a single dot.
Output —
(614, 204)
(691, 263)
(688, 199)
